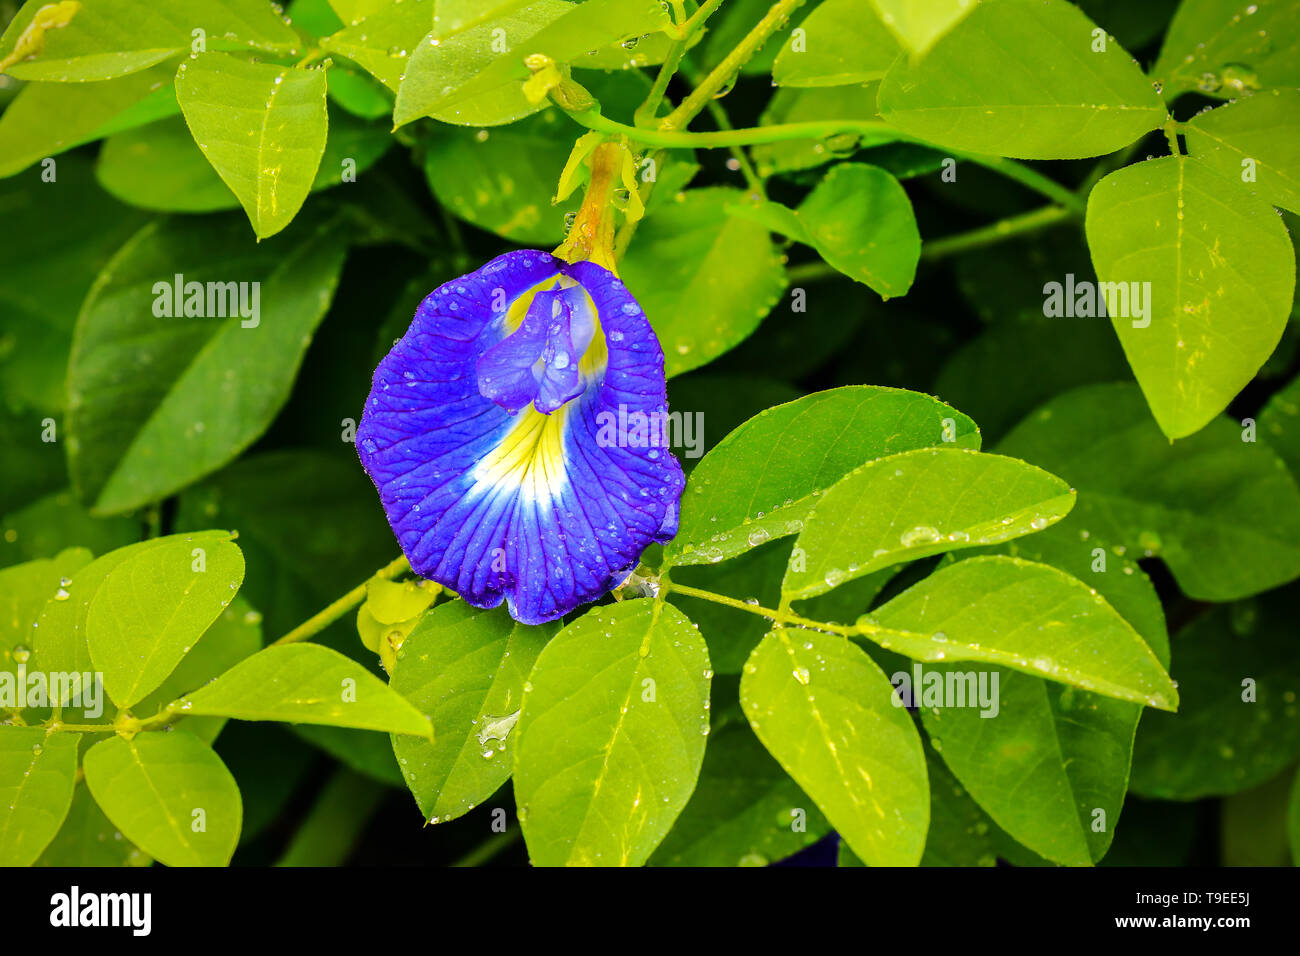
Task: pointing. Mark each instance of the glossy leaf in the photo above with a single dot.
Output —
(762, 481)
(306, 683)
(1226, 48)
(860, 221)
(1216, 271)
(169, 794)
(916, 504)
(1055, 97)
(919, 23)
(838, 45)
(611, 737)
(261, 126)
(822, 708)
(1254, 141)
(1027, 616)
(154, 606)
(466, 668)
(37, 775)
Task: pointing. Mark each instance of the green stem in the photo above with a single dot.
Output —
(725, 72)
(780, 616)
(995, 232)
(783, 132)
(645, 113)
(723, 121)
(491, 848)
(324, 618)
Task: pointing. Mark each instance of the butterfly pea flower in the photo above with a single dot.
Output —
(496, 432)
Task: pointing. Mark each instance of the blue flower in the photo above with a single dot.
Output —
(518, 436)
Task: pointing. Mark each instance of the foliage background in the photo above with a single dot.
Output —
(1212, 528)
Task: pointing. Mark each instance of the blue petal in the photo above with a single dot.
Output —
(546, 506)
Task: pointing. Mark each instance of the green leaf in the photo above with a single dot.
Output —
(1022, 78)
(1050, 759)
(47, 118)
(149, 397)
(169, 794)
(823, 709)
(70, 228)
(762, 480)
(746, 811)
(610, 741)
(959, 829)
(839, 45)
(24, 591)
(1223, 514)
(1254, 141)
(306, 683)
(705, 279)
(1253, 825)
(918, 24)
(56, 521)
(1026, 616)
(1228, 47)
(88, 838)
(261, 126)
(1239, 677)
(468, 79)
(154, 606)
(503, 180)
(382, 42)
(1215, 271)
(467, 669)
(918, 503)
(110, 38)
(37, 775)
(159, 166)
(859, 220)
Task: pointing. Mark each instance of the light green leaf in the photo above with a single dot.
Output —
(1023, 78)
(159, 166)
(467, 79)
(59, 644)
(839, 44)
(24, 590)
(157, 787)
(746, 811)
(261, 126)
(918, 24)
(354, 11)
(306, 683)
(859, 220)
(1226, 48)
(45, 119)
(1239, 679)
(149, 396)
(1223, 514)
(503, 180)
(762, 480)
(612, 735)
(705, 279)
(1254, 141)
(37, 775)
(383, 41)
(1215, 271)
(154, 606)
(110, 38)
(1026, 616)
(467, 669)
(823, 709)
(915, 504)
